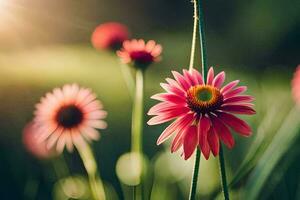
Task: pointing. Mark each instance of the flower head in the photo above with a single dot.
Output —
(109, 36)
(296, 85)
(68, 116)
(33, 146)
(140, 54)
(203, 112)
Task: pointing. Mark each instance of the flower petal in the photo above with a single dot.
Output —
(166, 107)
(219, 80)
(235, 123)
(239, 99)
(203, 128)
(181, 80)
(190, 141)
(210, 76)
(223, 132)
(238, 109)
(234, 92)
(172, 98)
(229, 86)
(178, 124)
(213, 141)
(198, 77)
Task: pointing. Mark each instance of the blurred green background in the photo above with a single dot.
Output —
(45, 44)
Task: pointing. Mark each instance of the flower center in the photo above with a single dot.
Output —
(142, 57)
(204, 98)
(69, 116)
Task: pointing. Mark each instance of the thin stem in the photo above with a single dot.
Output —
(193, 49)
(195, 176)
(202, 41)
(223, 174)
(137, 115)
(90, 165)
(137, 123)
(204, 72)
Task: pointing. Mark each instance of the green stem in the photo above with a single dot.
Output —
(195, 176)
(137, 123)
(193, 49)
(204, 73)
(223, 174)
(202, 41)
(137, 115)
(90, 165)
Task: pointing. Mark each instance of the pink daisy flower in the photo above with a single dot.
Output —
(296, 85)
(139, 53)
(68, 116)
(203, 112)
(38, 149)
(109, 36)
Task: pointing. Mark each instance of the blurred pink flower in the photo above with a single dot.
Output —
(68, 117)
(139, 53)
(203, 112)
(109, 36)
(34, 147)
(296, 85)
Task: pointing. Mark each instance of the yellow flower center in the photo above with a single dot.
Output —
(204, 98)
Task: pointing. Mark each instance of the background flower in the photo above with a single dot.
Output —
(68, 116)
(139, 53)
(109, 36)
(296, 85)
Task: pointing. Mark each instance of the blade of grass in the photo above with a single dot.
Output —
(280, 144)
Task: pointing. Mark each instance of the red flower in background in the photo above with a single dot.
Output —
(109, 36)
(296, 85)
(139, 53)
(67, 117)
(203, 112)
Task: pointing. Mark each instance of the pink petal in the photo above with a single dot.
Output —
(181, 80)
(239, 99)
(219, 80)
(178, 140)
(172, 98)
(223, 132)
(235, 123)
(90, 133)
(210, 76)
(166, 117)
(166, 107)
(188, 77)
(172, 89)
(229, 86)
(203, 127)
(213, 141)
(61, 144)
(178, 124)
(190, 141)
(239, 109)
(234, 92)
(198, 77)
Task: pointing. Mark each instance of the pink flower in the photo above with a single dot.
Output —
(68, 116)
(203, 112)
(109, 36)
(139, 53)
(32, 145)
(296, 85)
